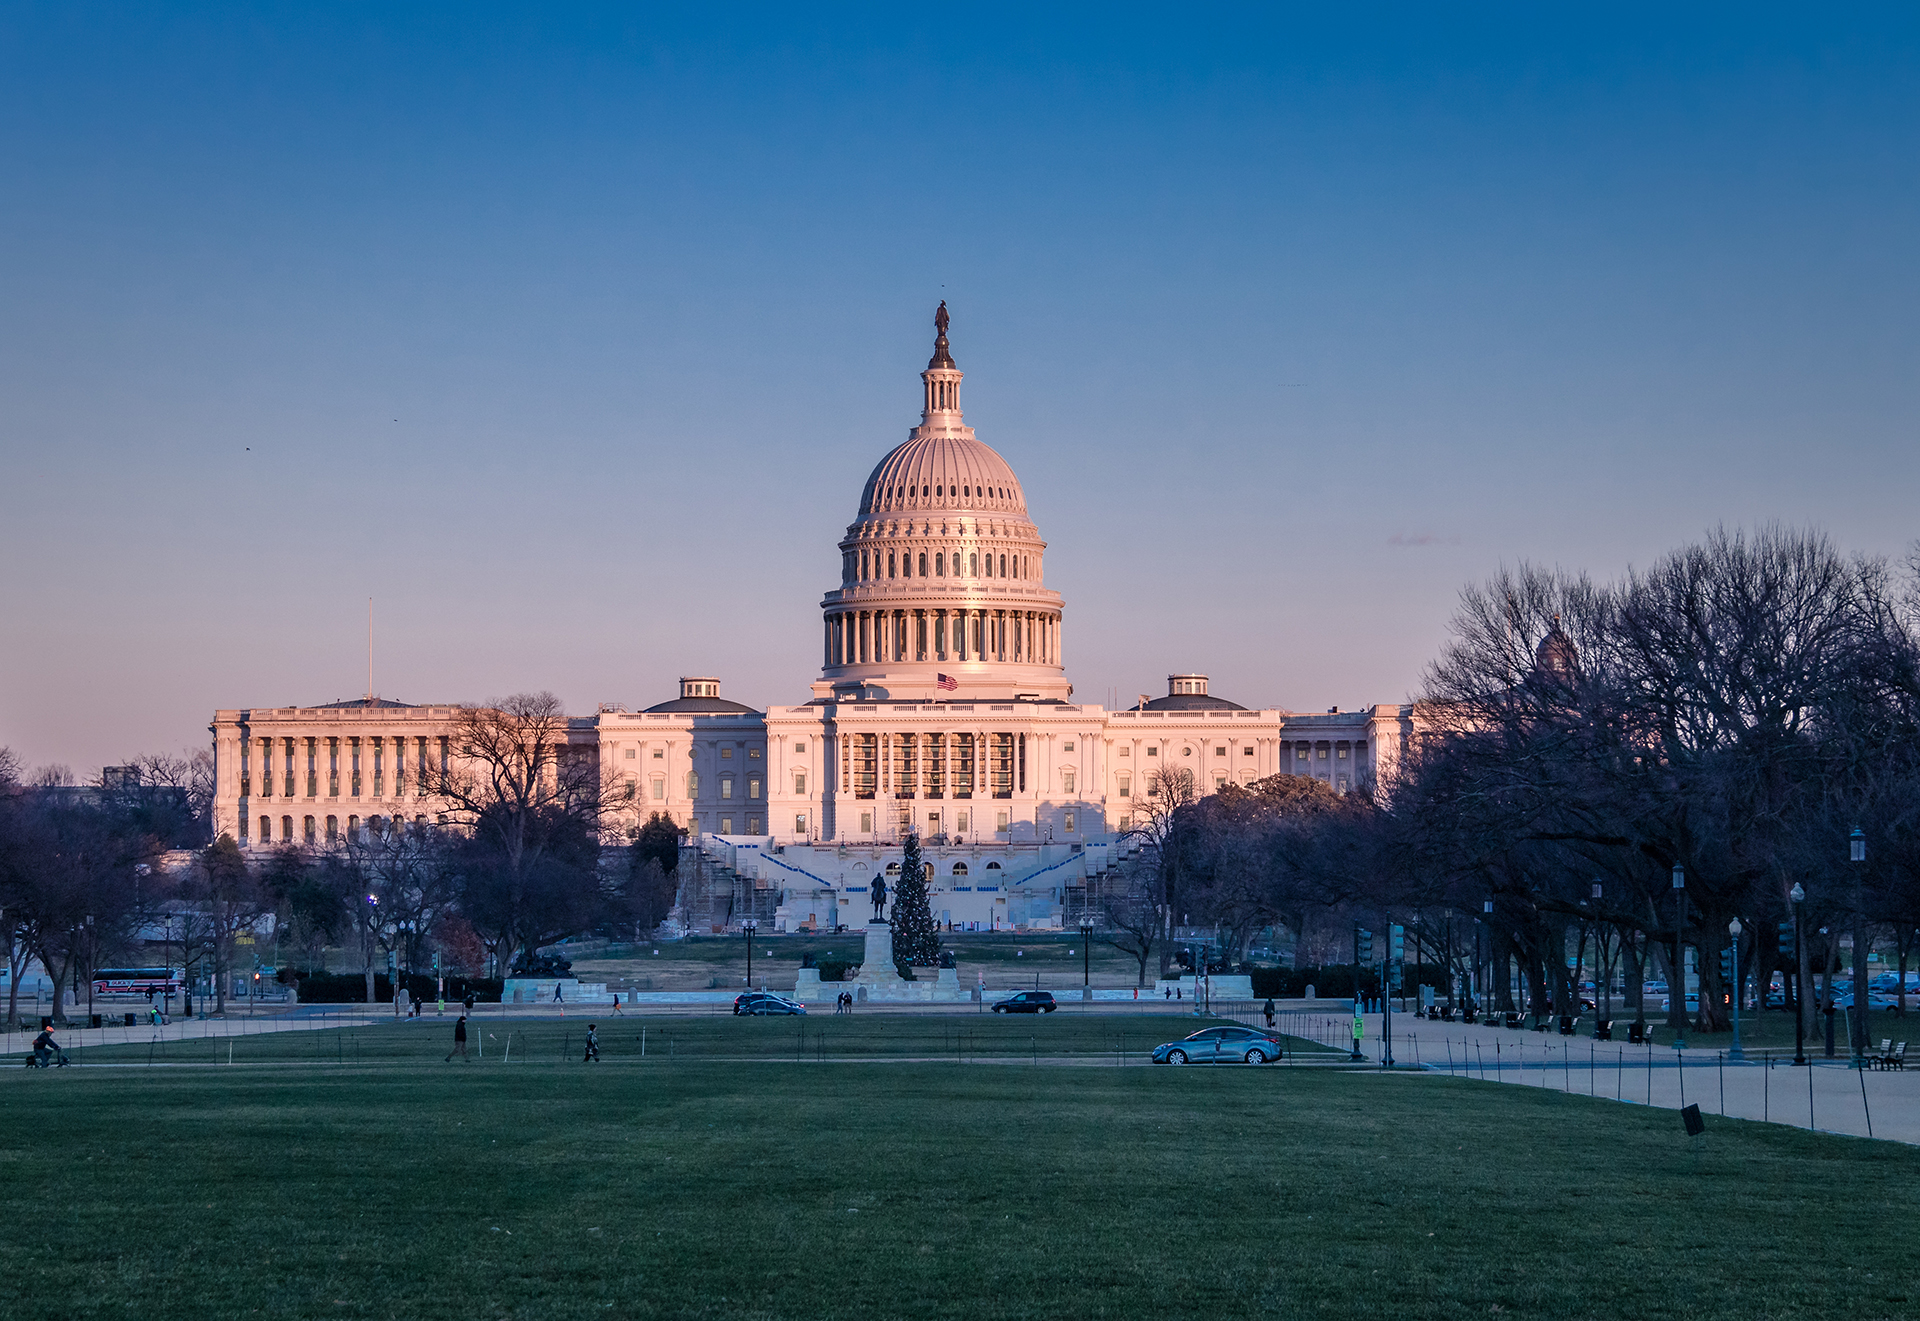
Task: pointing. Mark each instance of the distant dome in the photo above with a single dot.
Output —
(1556, 656)
(949, 472)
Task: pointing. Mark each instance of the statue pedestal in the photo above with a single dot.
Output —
(876, 965)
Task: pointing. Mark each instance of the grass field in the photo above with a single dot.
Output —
(694, 1188)
(824, 1036)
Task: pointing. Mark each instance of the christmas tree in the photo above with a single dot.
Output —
(916, 941)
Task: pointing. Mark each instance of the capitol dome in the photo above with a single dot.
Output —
(946, 474)
(942, 586)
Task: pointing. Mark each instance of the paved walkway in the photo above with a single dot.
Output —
(1826, 1095)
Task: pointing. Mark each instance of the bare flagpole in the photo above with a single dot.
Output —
(369, 650)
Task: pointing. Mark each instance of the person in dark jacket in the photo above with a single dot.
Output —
(593, 1044)
(460, 1041)
(45, 1047)
(1269, 1014)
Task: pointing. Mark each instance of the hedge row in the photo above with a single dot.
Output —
(1335, 982)
(334, 988)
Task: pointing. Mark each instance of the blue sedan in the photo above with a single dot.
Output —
(1221, 1045)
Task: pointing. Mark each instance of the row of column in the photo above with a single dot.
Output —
(865, 637)
(296, 767)
(984, 764)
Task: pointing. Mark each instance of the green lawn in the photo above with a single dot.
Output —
(691, 1188)
(719, 1036)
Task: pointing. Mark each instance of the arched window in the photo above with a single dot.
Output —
(923, 564)
(973, 562)
(333, 829)
(966, 491)
(939, 565)
(266, 829)
(890, 561)
(940, 492)
(1003, 566)
(925, 491)
(286, 829)
(993, 866)
(863, 566)
(353, 828)
(309, 832)
(959, 869)
(893, 869)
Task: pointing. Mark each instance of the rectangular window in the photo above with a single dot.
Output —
(726, 791)
(864, 750)
(753, 790)
(963, 768)
(1125, 782)
(934, 764)
(1343, 754)
(1153, 752)
(906, 765)
(659, 753)
(333, 829)
(1069, 823)
(1001, 767)
(753, 825)
(1066, 781)
(1067, 746)
(960, 823)
(753, 754)
(800, 745)
(631, 754)
(726, 825)
(726, 754)
(353, 752)
(1126, 752)
(800, 824)
(866, 828)
(1219, 781)
(1246, 752)
(1219, 752)
(243, 833)
(659, 787)
(1126, 821)
(289, 774)
(1001, 827)
(799, 784)
(313, 768)
(309, 832)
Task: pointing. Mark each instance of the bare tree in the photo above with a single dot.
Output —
(530, 807)
(1170, 790)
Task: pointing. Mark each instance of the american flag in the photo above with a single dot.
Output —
(946, 681)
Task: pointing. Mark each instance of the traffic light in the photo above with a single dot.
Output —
(1786, 938)
(436, 963)
(1363, 946)
(1726, 964)
(1397, 943)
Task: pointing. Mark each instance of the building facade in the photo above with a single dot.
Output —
(942, 708)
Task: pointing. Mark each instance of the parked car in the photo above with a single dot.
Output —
(1026, 1002)
(1220, 1045)
(758, 1003)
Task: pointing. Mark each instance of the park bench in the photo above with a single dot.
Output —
(1446, 1014)
(1637, 1033)
(1891, 1056)
(1513, 1019)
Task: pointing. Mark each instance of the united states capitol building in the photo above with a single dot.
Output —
(942, 707)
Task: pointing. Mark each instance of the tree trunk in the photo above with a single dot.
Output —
(1633, 952)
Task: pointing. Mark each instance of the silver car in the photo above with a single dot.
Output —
(1221, 1045)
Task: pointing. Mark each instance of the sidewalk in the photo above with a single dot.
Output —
(1826, 1095)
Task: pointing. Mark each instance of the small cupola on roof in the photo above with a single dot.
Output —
(700, 695)
(1188, 692)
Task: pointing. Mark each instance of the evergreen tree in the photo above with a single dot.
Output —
(916, 941)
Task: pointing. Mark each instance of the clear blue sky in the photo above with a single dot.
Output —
(570, 335)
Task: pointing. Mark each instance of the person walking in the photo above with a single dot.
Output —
(593, 1045)
(1269, 1014)
(460, 1041)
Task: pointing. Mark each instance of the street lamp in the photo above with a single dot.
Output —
(1679, 953)
(1857, 855)
(1733, 929)
(749, 926)
(1798, 895)
(1086, 955)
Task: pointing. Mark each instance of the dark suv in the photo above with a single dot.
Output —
(1027, 1002)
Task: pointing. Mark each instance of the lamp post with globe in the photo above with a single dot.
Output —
(1733, 930)
(1798, 895)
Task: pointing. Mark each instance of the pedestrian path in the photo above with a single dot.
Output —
(1825, 1095)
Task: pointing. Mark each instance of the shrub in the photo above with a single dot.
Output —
(333, 988)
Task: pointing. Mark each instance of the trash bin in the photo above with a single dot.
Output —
(93, 1020)
(129, 1018)
(1603, 1029)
